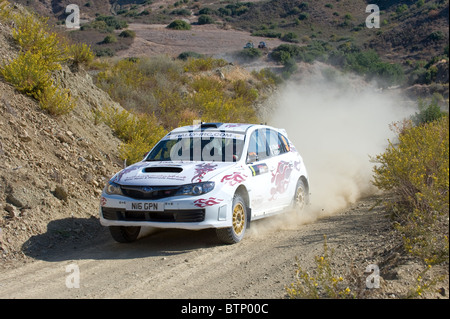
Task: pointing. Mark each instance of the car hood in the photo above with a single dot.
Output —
(169, 173)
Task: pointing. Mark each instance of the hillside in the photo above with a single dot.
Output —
(51, 167)
(413, 35)
(407, 28)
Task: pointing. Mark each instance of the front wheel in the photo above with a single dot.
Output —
(235, 233)
(124, 234)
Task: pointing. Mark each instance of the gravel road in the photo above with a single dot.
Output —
(184, 264)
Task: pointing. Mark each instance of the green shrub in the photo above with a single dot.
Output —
(179, 25)
(416, 170)
(112, 22)
(205, 19)
(56, 101)
(436, 36)
(139, 133)
(27, 73)
(110, 38)
(285, 51)
(81, 54)
(401, 8)
(203, 64)
(266, 33)
(322, 282)
(127, 34)
(427, 113)
(303, 16)
(32, 34)
(189, 54)
(290, 37)
(249, 54)
(42, 52)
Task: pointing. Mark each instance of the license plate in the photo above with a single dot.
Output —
(145, 206)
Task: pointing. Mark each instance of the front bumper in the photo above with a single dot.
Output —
(183, 212)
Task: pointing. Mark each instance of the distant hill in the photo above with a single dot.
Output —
(414, 29)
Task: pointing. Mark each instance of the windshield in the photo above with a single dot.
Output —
(197, 149)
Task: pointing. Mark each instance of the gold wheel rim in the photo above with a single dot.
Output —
(300, 199)
(238, 219)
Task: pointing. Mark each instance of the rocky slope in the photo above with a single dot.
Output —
(51, 168)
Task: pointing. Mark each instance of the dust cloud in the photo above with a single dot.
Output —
(337, 122)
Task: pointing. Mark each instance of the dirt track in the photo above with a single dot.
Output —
(184, 264)
(206, 39)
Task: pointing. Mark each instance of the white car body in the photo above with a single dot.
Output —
(154, 193)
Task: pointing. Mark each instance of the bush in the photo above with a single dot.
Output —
(110, 38)
(205, 19)
(139, 132)
(436, 36)
(416, 170)
(81, 54)
(369, 63)
(323, 282)
(285, 51)
(56, 101)
(127, 34)
(112, 22)
(427, 113)
(203, 64)
(189, 54)
(249, 54)
(32, 34)
(266, 34)
(42, 53)
(179, 25)
(290, 37)
(27, 73)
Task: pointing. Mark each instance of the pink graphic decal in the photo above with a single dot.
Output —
(129, 169)
(103, 201)
(280, 178)
(201, 170)
(203, 202)
(234, 178)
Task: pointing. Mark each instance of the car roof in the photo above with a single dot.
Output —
(237, 128)
(229, 127)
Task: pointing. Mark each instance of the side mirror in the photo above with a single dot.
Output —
(252, 157)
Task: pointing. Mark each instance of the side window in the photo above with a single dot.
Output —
(285, 142)
(276, 144)
(257, 149)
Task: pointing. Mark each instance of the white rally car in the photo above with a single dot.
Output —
(210, 175)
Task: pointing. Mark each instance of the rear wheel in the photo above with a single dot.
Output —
(300, 197)
(124, 234)
(235, 233)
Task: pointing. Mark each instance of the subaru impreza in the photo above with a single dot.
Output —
(209, 175)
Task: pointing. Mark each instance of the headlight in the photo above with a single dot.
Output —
(112, 189)
(196, 189)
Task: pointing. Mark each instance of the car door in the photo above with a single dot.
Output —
(281, 167)
(257, 157)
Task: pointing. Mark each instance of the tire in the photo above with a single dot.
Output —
(235, 233)
(124, 234)
(300, 197)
